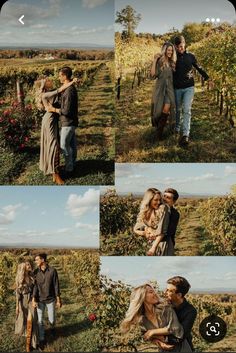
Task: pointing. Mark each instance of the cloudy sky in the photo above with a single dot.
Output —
(203, 273)
(49, 216)
(159, 16)
(192, 178)
(57, 21)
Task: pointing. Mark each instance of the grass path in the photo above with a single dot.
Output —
(190, 235)
(212, 138)
(74, 332)
(95, 142)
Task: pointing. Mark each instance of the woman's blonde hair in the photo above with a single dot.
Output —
(21, 274)
(145, 204)
(164, 60)
(136, 307)
(39, 88)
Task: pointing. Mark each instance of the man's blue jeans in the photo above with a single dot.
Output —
(183, 99)
(69, 146)
(51, 317)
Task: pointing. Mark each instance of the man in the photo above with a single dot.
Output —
(46, 293)
(184, 87)
(177, 288)
(170, 197)
(69, 120)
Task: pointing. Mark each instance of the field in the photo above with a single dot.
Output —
(95, 135)
(116, 299)
(212, 137)
(79, 285)
(207, 226)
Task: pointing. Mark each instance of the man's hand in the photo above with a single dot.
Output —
(59, 303)
(50, 109)
(34, 303)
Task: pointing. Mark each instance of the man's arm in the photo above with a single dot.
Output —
(57, 288)
(199, 69)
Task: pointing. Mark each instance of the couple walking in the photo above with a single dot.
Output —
(60, 105)
(36, 290)
(157, 221)
(174, 88)
(165, 323)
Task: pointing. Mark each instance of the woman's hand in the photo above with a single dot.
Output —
(149, 334)
(165, 346)
(34, 303)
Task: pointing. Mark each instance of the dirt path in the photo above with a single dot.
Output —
(190, 235)
(212, 138)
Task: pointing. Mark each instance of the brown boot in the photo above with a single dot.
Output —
(28, 335)
(57, 179)
(161, 124)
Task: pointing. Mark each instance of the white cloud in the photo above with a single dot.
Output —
(90, 4)
(92, 227)
(229, 170)
(63, 230)
(78, 205)
(9, 213)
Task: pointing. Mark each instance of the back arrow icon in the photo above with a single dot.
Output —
(20, 19)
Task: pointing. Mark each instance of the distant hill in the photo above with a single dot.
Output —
(47, 246)
(23, 46)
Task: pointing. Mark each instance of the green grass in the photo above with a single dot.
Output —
(212, 137)
(95, 137)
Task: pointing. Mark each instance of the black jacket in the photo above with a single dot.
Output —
(69, 107)
(183, 74)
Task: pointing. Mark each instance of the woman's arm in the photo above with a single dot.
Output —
(66, 85)
(139, 229)
(156, 332)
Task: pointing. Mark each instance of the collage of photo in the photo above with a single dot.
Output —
(118, 176)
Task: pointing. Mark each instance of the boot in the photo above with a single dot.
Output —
(161, 124)
(57, 179)
(28, 335)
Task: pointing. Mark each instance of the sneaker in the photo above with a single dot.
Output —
(184, 141)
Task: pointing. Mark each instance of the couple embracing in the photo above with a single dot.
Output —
(59, 105)
(174, 88)
(157, 221)
(165, 323)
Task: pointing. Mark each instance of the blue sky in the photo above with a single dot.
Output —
(159, 16)
(193, 178)
(203, 273)
(58, 21)
(49, 216)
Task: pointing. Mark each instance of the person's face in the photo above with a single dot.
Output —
(155, 202)
(171, 294)
(48, 84)
(39, 262)
(151, 296)
(62, 77)
(181, 48)
(168, 198)
(28, 266)
(169, 52)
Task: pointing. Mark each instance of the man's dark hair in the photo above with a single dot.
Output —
(179, 40)
(66, 70)
(180, 283)
(173, 192)
(42, 256)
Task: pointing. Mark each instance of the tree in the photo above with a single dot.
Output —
(129, 18)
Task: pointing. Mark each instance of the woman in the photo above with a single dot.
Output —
(49, 146)
(157, 320)
(26, 316)
(163, 98)
(152, 223)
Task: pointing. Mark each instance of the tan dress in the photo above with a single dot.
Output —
(49, 145)
(158, 224)
(166, 318)
(23, 296)
(163, 93)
